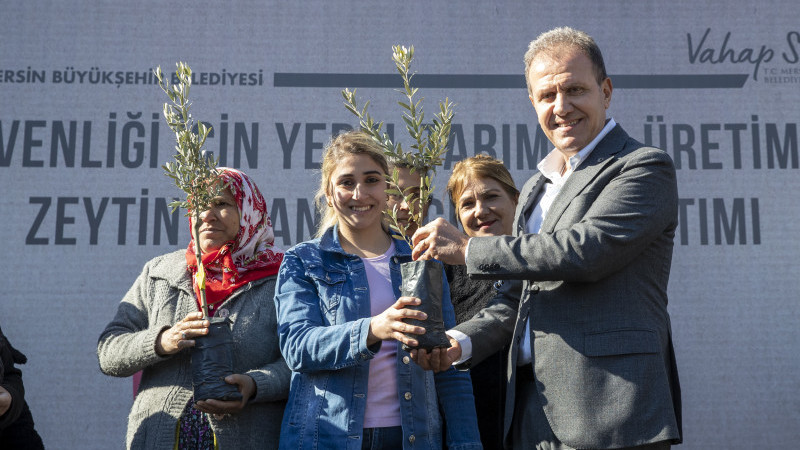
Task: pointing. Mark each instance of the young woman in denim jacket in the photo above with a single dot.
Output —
(340, 320)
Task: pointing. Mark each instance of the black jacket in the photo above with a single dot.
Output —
(16, 425)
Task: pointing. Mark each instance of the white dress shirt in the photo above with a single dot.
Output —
(553, 168)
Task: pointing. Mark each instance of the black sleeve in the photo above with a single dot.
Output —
(11, 380)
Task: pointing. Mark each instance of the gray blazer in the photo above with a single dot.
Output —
(161, 296)
(594, 284)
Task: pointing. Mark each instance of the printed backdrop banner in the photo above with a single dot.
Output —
(85, 201)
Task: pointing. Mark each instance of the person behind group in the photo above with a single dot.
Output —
(340, 317)
(487, 208)
(584, 302)
(408, 182)
(17, 430)
(158, 321)
(484, 196)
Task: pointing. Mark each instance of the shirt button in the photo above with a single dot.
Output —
(411, 439)
(406, 359)
(407, 395)
(535, 289)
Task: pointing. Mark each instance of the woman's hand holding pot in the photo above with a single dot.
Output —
(390, 323)
(182, 334)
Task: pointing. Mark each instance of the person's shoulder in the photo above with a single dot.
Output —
(302, 253)
(170, 266)
(632, 149)
(168, 259)
(635, 150)
(629, 144)
(312, 245)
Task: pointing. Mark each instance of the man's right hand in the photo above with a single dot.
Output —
(438, 359)
(440, 240)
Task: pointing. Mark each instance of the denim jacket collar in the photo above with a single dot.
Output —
(329, 242)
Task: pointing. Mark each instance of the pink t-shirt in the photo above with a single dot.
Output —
(383, 405)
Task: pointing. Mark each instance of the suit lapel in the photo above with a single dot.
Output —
(530, 202)
(600, 157)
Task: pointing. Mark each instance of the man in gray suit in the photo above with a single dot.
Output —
(584, 297)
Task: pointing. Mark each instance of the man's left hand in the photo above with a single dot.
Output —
(438, 359)
(440, 240)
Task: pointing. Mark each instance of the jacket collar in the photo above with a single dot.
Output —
(552, 166)
(529, 204)
(595, 162)
(329, 242)
(602, 154)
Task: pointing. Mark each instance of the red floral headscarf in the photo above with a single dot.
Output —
(250, 257)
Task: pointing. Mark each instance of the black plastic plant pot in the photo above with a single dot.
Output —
(423, 279)
(212, 361)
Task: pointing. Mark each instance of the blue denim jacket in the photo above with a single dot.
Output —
(322, 297)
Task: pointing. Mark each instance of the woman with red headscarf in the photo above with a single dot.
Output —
(158, 320)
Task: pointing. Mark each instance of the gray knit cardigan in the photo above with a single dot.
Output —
(161, 296)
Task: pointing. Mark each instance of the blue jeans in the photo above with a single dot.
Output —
(389, 438)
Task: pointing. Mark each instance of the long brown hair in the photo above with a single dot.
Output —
(339, 147)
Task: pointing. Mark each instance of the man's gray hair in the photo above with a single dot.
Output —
(550, 42)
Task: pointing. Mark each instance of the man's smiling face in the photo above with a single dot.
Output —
(569, 101)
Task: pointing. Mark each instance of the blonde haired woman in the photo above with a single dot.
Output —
(485, 198)
(340, 320)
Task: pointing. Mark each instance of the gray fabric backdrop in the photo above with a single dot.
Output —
(84, 199)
